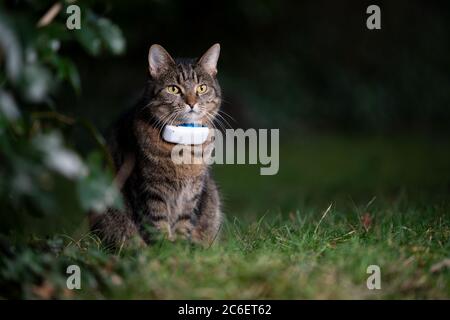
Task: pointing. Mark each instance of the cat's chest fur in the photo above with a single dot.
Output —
(185, 200)
(176, 186)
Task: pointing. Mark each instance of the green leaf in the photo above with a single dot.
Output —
(36, 82)
(99, 34)
(89, 39)
(8, 107)
(73, 76)
(97, 190)
(10, 49)
(68, 71)
(112, 36)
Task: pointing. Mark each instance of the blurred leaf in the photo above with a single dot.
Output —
(68, 71)
(97, 190)
(40, 174)
(44, 291)
(36, 82)
(8, 107)
(112, 36)
(87, 37)
(99, 34)
(9, 46)
(58, 158)
(366, 221)
(71, 72)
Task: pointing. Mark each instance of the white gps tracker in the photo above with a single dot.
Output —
(185, 134)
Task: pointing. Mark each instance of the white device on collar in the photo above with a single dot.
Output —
(185, 134)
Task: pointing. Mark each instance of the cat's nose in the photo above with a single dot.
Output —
(190, 101)
(193, 107)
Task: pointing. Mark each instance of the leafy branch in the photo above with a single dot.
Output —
(41, 173)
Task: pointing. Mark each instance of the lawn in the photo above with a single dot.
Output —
(336, 206)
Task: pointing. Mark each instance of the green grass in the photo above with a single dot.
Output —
(276, 241)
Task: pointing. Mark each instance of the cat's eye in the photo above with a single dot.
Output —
(202, 88)
(173, 89)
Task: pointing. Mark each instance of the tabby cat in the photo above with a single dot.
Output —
(177, 200)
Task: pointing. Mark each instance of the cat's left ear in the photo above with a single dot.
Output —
(209, 60)
(159, 60)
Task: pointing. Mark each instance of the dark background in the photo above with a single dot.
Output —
(302, 66)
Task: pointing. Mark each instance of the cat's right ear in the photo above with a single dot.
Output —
(209, 60)
(159, 60)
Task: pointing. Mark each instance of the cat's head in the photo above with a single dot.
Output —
(184, 90)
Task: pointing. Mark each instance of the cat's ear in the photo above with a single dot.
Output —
(159, 60)
(209, 60)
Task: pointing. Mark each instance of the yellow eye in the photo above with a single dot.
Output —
(202, 88)
(173, 89)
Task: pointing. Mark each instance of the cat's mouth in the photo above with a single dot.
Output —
(192, 116)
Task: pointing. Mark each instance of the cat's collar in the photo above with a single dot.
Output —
(186, 133)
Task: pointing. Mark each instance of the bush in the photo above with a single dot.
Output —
(41, 173)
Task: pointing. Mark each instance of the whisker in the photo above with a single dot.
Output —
(213, 120)
(225, 120)
(208, 120)
(220, 122)
(228, 115)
